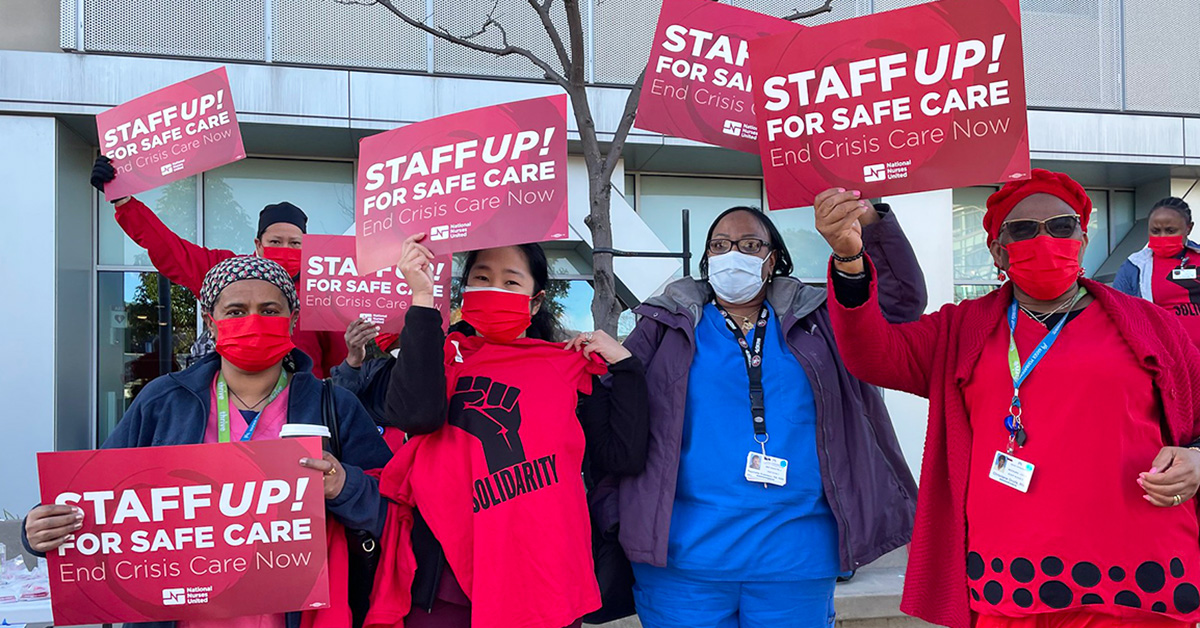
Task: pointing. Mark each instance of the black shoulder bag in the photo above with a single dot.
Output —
(363, 548)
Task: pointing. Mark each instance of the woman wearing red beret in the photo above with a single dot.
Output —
(1086, 395)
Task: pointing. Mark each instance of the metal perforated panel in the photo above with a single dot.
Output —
(1072, 53)
(520, 21)
(888, 5)
(222, 29)
(1162, 56)
(624, 30)
(324, 32)
(66, 25)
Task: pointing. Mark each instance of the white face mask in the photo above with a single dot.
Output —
(735, 276)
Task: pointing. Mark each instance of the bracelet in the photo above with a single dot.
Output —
(849, 277)
(852, 258)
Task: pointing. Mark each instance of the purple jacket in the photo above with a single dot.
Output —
(867, 482)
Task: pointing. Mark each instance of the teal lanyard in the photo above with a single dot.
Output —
(1020, 372)
(223, 408)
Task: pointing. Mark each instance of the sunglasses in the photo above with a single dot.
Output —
(1027, 228)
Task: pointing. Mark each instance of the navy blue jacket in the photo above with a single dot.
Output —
(173, 410)
(369, 383)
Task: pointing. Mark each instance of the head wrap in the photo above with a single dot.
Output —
(241, 268)
(1001, 203)
(281, 212)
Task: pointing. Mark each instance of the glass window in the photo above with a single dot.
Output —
(663, 198)
(134, 322)
(236, 193)
(571, 303)
(808, 248)
(974, 271)
(174, 204)
(630, 189)
(1098, 227)
(1120, 217)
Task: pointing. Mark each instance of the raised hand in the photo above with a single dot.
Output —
(491, 412)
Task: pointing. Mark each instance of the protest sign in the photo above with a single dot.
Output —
(188, 532)
(698, 83)
(483, 178)
(916, 99)
(170, 134)
(333, 292)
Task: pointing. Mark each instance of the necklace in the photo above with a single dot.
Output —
(248, 406)
(1042, 318)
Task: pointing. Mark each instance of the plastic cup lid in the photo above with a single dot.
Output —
(292, 430)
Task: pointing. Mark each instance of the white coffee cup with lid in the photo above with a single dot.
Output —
(297, 430)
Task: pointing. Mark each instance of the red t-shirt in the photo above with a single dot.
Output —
(1181, 296)
(1083, 537)
(501, 485)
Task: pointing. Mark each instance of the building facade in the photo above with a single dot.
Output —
(1114, 95)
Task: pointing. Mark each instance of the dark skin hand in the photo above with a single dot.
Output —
(358, 334)
(48, 526)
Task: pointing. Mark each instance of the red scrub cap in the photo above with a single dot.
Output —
(1001, 203)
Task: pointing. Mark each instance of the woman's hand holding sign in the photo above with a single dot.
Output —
(49, 525)
(332, 472)
(416, 264)
(838, 212)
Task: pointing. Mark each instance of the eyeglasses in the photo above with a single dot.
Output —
(749, 246)
(1027, 228)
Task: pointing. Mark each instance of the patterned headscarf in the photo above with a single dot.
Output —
(241, 268)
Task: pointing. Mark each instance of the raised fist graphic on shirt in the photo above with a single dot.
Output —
(491, 412)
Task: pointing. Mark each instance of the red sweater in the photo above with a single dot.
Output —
(933, 357)
(185, 263)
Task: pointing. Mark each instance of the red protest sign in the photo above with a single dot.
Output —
(189, 532)
(698, 83)
(916, 99)
(170, 134)
(333, 292)
(483, 178)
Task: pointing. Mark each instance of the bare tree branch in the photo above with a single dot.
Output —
(543, 11)
(623, 127)
(504, 50)
(803, 15)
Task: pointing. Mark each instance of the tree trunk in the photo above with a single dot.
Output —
(605, 306)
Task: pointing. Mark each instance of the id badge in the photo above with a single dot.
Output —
(763, 469)
(1011, 471)
(1183, 273)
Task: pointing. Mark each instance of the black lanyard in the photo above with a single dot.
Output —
(753, 356)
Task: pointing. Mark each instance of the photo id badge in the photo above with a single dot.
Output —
(1011, 471)
(763, 469)
(1183, 273)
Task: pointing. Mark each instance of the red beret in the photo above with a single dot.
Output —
(1001, 203)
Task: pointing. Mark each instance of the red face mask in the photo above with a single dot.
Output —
(285, 256)
(1044, 267)
(498, 315)
(1166, 246)
(254, 343)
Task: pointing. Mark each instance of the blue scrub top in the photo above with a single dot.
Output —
(722, 525)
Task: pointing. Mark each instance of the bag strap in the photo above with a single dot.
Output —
(330, 419)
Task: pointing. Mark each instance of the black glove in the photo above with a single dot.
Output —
(102, 172)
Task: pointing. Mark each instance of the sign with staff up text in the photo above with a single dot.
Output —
(697, 83)
(333, 293)
(916, 99)
(188, 533)
(170, 134)
(483, 178)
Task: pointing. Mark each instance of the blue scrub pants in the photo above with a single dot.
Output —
(671, 598)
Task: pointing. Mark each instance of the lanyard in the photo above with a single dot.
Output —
(223, 408)
(1020, 372)
(753, 355)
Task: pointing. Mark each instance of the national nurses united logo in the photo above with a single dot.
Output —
(491, 412)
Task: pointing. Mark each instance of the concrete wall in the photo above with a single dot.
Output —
(27, 281)
(29, 25)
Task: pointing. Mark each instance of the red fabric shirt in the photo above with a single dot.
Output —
(1179, 296)
(1079, 537)
(934, 357)
(186, 264)
(501, 484)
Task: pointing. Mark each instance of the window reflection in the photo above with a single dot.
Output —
(140, 314)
